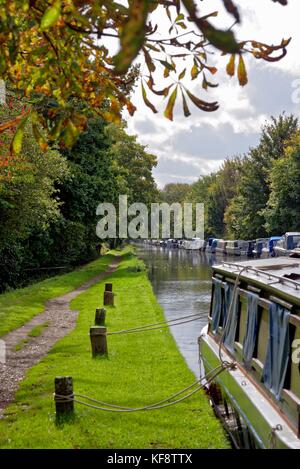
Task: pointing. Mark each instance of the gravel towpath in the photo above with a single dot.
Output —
(57, 320)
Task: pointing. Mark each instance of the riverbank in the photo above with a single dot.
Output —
(140, 369)
(20, 305)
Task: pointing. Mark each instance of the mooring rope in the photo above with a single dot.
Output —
(210, 376)
(156, 326)
(197, 382)
(166, 321)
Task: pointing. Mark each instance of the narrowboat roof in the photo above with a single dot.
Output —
(292, 233)
(279, 275)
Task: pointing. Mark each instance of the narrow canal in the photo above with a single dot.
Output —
(181, 281)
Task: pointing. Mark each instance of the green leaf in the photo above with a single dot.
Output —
(16, 144)
(70, 134)
(223, 40)
(168, 113)
(179, 17)
(146, 100)
(168, 65)
(132, 35)
(51, 15)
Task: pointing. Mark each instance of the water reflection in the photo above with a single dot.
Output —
(181, 281)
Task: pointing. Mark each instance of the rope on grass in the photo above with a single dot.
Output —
(103, 406)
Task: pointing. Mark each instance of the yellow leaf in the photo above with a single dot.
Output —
(170, 106)
(230, 69)
(181, 76)
(242, 72)
(194, 71)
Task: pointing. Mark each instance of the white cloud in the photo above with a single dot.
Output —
(189, 147)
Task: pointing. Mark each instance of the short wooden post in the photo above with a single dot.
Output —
(98, 340)
(108, 298)
(64, 397)
(100, 317)
(108, 287)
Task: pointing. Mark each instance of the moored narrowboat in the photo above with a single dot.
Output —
(254, 334)
(195, 244)
(221, 246)
(259, 245)
(239, 248)
(289, 244)
(172, 243)
(209, 243)
(233, 248)
(269, 250)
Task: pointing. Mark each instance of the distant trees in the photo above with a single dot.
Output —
(245, 217)
(256, 194)
(175, 192)
(282, 212)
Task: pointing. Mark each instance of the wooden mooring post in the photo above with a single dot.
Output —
(100, 317)
(108, 298)
(98, 340)
(63, 397)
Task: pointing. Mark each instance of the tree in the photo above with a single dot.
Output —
(29, 201)
(133, 166)
(176, 192)
(245, 214)
(215, 191)
(282, 213)
(58, 49)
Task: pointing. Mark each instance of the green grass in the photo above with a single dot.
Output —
(140, 369)
(21, 344)
(37, 330)
(19, 306)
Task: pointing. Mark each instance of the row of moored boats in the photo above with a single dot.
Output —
(275, 246)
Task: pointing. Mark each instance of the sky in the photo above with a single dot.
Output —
(190, 147)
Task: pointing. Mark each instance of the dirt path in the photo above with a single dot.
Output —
(60, 320)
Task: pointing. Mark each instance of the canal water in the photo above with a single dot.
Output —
(181, 281)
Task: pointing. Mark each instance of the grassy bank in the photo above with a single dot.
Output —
(140, 369)
(19, 306)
